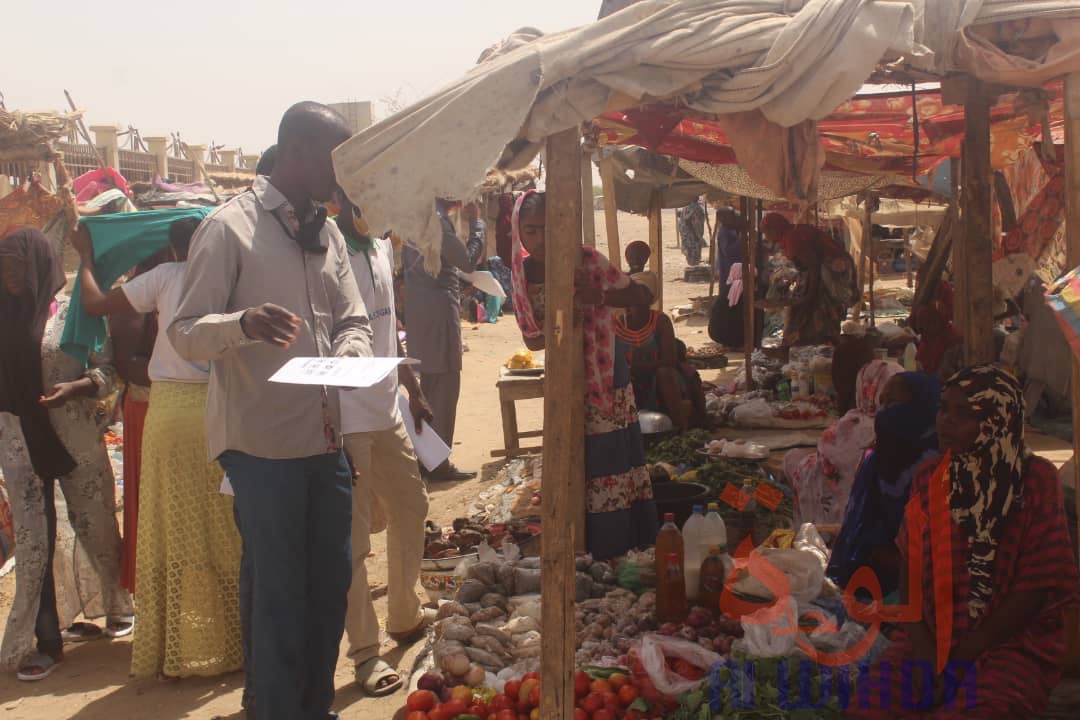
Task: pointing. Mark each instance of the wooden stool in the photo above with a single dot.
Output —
(511, 389)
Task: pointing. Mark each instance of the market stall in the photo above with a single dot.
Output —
(799, 67)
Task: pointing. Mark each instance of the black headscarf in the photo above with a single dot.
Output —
(22, 325)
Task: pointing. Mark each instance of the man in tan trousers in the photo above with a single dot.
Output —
(387, 474)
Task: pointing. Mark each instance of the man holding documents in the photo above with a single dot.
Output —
(387, 474)
(269, 280)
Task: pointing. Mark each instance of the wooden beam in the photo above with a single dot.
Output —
(977, 248)
(588, 203)
(656, 244)
(611, 211)
(908, 258)
(564, 426)
(748, 291)
(1072, 230)
(870, 249)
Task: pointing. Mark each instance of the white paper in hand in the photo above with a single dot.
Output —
(350, 372)
(485, 282)
(431, 451)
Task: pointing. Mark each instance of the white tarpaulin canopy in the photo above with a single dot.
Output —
(784, 62)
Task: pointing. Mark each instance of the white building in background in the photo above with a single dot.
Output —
(357, 113)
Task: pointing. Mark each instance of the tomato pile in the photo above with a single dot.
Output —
(605, 694)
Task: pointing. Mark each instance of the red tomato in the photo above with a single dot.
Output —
(593, 702)
(632, 715)
(611, 702)
(478, 709)
(506, 715)
(600, 686)
(452, 709)
(580, 714)
(492, 716)
(462, 694)
(581, 683)
(628, 694)
(534, 697)
(421, 700)
(500, 703)
(417, 715)
(531, 676)
(523, 716)
(603, 714)
(512, 689)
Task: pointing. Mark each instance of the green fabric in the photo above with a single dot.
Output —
(121, 242)
(359, 244)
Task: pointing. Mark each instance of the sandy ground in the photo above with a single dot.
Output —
(93, 682)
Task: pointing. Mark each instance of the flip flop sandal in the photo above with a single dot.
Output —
(428, 618)
(119, 628)
(37, 667)
(377, 678)
(82, 632)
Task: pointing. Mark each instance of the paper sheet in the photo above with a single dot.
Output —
(431, 451)
(350, 372)
(484, 281)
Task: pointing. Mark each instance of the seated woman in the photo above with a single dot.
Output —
(822, 478)
(906, 437)
(1013, 568)
(826, 287)
(619, 513)
(653, 356)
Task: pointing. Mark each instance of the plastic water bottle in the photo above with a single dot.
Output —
(715, 530)
(694, 548)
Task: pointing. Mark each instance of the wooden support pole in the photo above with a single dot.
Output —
(956, 252)
(977, 253)
(714, 232)
(588, 204)
(908, 258)
(870, 249)
(748, 292)
(564, 426)
(656, 244)
(611, 211)
(1072, 230)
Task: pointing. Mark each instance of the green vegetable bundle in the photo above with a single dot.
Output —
(681, 449)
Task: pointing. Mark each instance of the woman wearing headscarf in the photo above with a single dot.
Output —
(620, 512)
(822, 478)
(940, 345)
(826, 287)
(905, 438)
(1013, 568)
(51, 431)
(188, 548)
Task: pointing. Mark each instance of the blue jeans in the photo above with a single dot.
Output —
(295, 519)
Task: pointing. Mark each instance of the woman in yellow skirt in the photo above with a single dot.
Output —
(188, 549)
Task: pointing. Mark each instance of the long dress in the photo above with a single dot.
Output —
(620, 512)
(86, 558)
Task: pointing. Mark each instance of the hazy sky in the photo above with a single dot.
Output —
(225, 70)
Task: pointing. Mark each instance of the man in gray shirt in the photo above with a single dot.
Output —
(269, 280)
(433, 324)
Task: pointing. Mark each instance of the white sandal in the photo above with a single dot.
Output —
(44, 664)
(374, 671)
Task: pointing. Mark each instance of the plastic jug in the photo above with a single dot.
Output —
(694, 548)
(671, 605)
(715, 530)
(669, 541)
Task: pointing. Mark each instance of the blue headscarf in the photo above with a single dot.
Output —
(906, 438)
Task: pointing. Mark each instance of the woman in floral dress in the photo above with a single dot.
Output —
(50, 431)
(620, 512)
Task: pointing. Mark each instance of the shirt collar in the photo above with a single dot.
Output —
(268, 195)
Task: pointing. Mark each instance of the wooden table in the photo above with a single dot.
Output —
(511, 389)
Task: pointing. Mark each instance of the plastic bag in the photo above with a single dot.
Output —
(654, 650)
(804, 571)
(773, 639)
